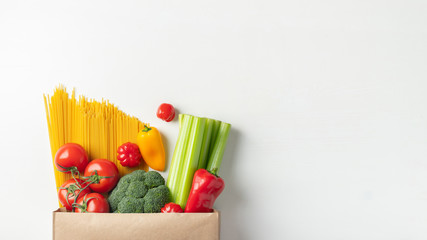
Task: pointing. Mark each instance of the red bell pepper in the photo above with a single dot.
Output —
(204, 191)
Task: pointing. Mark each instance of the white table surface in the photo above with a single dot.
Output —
(327, 100)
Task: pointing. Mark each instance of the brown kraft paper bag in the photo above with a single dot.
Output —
(155, 226)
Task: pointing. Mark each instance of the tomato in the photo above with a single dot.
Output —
(129, 155)
(92, 202)
(70, 190)
(71, 157)
(166, 112)
(103, 174)
(171, 208)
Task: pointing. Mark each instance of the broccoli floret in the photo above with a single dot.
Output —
(115, 197)
(135, 189)
(153, 179)
(156, 198)
(139, 175)
(131, 205)
(124, 182)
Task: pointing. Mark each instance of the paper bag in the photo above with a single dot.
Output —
(156, 226)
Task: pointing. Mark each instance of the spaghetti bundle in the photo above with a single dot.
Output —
(99, 127)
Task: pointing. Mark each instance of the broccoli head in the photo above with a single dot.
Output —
(153, 179)
(156, 198)
(139, 192)
(131, 205)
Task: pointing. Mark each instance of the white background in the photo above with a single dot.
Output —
(327, 100)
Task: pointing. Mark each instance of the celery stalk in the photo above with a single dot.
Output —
(204, 152)
(217, 152)
(178, 157)
(191, 160)
(215, 129)
(180, 117)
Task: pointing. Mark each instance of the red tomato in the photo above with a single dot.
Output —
(92, 202)
(71, 157)
(103, 174)
(171, 208)
(70, 189)
(129, 155)
(166, 112)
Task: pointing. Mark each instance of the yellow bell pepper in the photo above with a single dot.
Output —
(151, 147)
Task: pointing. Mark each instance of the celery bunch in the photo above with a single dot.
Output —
(201, 144)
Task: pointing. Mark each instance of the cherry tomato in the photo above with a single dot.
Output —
(92, 202)
(103, 174)
(71, 157)
(166, 112)
(171, 208)
(129, 155)
(70, 190)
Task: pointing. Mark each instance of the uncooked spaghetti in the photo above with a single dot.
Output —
(100, 127)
